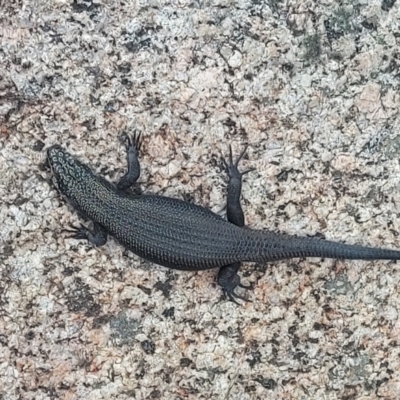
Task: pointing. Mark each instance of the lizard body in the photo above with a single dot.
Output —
(178, 234)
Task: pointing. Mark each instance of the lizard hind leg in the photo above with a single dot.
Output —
(228, 277)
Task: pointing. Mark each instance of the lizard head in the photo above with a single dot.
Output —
(67, 170)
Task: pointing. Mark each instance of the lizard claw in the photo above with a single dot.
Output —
(77, 232)
(248, 287)
(233, 296)
(231, 167)
(98, 237)
(133, 142)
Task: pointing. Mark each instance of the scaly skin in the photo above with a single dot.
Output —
(177, 234)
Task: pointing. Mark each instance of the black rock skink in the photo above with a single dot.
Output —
(178, 234)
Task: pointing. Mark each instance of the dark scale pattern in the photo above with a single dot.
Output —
(181, 235)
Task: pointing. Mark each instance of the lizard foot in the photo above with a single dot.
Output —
(77, 232)
(132, 142)
(231, 167)
(98, 237)
(229, 280)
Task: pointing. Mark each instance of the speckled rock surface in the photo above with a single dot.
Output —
(312, 87)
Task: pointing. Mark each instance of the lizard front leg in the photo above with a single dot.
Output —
(98, 235)
(133, 144)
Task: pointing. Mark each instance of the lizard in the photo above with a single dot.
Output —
(179, 234)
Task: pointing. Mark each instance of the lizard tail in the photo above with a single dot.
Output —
(271, 246)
